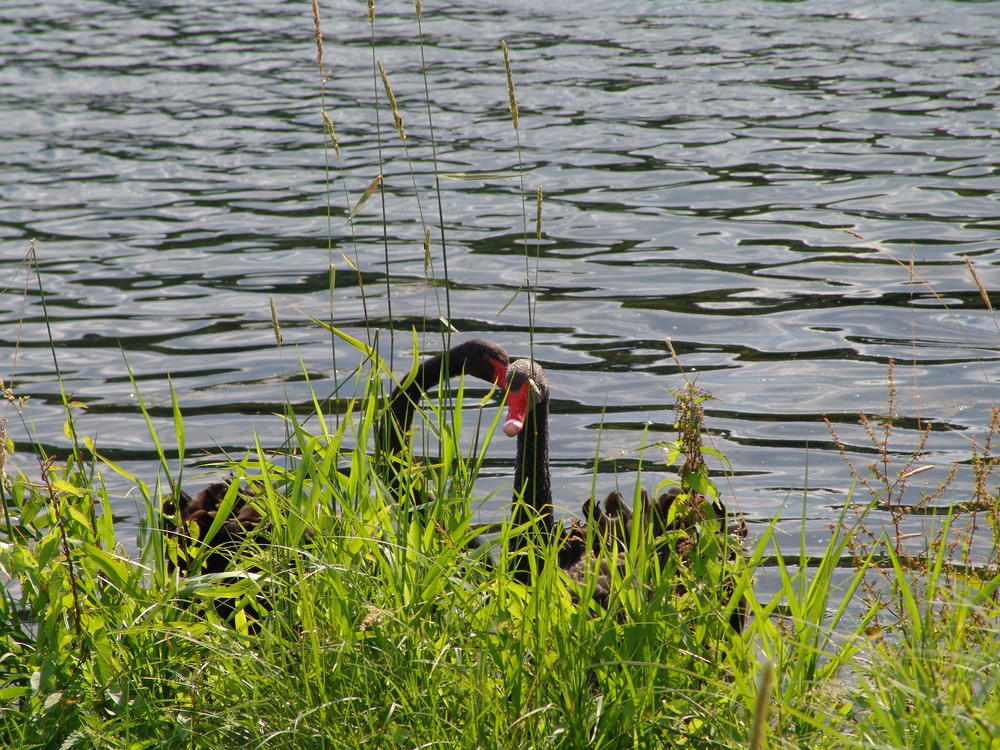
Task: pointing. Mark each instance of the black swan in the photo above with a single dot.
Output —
(196, 516)
(192, 519)
(527, 419)
(480, 358)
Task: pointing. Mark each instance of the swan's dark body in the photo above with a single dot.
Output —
(198, 513)
(528, 403)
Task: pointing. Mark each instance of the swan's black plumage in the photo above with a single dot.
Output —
(527, 419)
(198, 513)
(480, 358)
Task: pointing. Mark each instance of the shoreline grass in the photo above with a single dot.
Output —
(385, 629)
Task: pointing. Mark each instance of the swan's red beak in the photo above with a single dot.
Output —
(499, 373)
(517, 410)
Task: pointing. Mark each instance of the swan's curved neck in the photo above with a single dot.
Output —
(532, 481)
(403, 403)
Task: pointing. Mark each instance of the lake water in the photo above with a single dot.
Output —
(698, 162)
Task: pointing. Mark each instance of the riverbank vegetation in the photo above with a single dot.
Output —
(354, 622)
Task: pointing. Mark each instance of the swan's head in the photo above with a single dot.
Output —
(483, 359)
(527, 387)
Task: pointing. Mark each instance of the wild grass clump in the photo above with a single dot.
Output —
(358, 620)
(389, 628)
(354, 620)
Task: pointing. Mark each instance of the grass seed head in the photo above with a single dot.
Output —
(511, 94)
(319, 36)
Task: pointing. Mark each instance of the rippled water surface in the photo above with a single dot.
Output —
(698, 162)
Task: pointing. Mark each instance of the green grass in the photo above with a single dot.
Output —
(383, 629)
